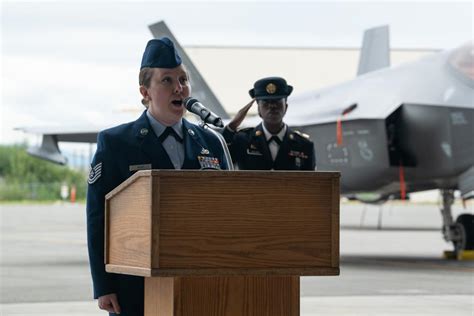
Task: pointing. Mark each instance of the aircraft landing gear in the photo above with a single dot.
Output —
(461, 232)
(465, 224)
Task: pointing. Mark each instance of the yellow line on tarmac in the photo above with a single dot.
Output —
(422, 265)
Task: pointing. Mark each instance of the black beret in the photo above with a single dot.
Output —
(160, 53)
(270, 88)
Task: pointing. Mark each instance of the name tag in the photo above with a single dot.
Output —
(140, 167)
(254, 152)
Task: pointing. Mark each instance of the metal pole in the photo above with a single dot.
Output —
(230, 165)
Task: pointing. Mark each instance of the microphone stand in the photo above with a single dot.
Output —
(230, 165)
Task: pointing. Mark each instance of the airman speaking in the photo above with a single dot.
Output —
(159, 139)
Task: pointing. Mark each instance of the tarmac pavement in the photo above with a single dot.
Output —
(390, 305)
(395, 270)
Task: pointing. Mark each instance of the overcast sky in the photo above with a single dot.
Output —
(74, 63)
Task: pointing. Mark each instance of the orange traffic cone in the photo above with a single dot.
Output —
(73, 194)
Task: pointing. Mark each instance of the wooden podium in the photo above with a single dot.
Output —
(223, 243)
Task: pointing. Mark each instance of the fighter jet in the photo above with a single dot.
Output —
(396, 130)
(389, 131)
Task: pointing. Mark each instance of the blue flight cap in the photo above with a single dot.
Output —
(160, 53)
(270, 88)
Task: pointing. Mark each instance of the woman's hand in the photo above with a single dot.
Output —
(109, 303)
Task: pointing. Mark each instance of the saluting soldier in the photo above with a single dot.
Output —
(272, 145)
(159, 139)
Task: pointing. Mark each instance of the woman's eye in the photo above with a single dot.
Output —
(166, 80)
(183, 80)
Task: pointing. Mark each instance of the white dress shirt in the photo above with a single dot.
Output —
(273, 146)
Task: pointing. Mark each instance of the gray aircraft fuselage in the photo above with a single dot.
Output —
(418, 116)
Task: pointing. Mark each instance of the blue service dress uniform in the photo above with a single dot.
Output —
(118, 149)
(249, 150)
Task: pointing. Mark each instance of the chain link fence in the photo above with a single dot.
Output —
(42, 191)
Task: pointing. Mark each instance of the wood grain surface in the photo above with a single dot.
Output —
(225, 222)
(128, 221)
(222, 296)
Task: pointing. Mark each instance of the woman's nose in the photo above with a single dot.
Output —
(178, 87)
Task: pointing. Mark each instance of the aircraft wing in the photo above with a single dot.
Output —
(49, 148)
(64, 134)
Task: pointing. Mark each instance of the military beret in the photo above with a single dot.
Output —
(270, 88)
(160, 53)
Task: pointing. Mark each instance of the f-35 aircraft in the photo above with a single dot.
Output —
(395, 130)
(389, 131)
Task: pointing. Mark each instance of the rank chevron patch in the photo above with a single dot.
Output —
(95, 173)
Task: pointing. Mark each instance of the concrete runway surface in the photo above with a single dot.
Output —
(395, 270)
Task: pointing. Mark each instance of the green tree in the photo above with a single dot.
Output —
(24, 177)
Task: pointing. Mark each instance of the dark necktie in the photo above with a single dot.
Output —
(169, 131)
(276, 139)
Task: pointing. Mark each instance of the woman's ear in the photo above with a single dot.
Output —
(144, 92)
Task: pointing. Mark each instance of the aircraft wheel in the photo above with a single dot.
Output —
(465, 223)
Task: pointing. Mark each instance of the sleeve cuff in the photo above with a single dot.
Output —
(229, 129)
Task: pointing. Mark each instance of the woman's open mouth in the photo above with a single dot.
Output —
(177, 102)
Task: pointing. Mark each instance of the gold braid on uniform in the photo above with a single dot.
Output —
(302, 134)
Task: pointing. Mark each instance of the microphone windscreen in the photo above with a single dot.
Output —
(188, 102)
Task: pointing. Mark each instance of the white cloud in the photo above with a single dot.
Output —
(53, 90)
(68, 62)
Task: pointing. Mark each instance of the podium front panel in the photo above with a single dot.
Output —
(224, 222)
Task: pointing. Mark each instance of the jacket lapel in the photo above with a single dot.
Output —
(261, 142)
(150, 145)
(192, 146)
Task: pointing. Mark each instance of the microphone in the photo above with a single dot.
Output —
(194, 106)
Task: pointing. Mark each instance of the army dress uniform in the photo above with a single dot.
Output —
(250, 150)
(257, 149)
(121, 151)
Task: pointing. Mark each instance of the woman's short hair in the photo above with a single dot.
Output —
(144, 79)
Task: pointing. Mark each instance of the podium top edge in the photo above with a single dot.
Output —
(237, 172)
(228, 173)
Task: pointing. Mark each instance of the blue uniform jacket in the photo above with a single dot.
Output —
(249, 150)
(119, 148)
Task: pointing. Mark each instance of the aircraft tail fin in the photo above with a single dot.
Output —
(201, 90)
(375, 52)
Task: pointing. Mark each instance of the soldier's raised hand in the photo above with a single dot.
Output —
(240, 116)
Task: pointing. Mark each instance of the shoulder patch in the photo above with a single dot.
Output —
(95, 173)
(302, 134)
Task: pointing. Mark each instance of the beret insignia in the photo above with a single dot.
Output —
(271, 88)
